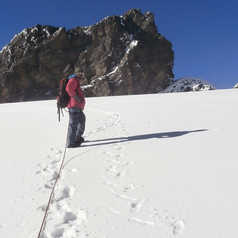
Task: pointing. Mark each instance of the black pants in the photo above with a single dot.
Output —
(76, 127)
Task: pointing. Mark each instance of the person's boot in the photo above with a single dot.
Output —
(73, 145)
(80, 140)
(77, 143)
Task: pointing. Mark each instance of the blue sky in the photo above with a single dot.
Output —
(204, 34)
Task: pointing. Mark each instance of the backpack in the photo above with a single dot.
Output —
(63, 97)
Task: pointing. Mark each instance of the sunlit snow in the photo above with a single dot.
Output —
(162, 165)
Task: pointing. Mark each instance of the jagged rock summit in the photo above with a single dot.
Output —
(188, 85)
(119, 55)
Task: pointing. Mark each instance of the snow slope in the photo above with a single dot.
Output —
(162, 165)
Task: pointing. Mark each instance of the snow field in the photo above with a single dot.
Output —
(152, 165)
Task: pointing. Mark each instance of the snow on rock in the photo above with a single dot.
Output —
(113, 71)
(29, 38)
(87, 30)
(3, 49)
(187, 85)
(129, 40)
(23, 33)
(236, 86)
(132, 45)
(101, 78)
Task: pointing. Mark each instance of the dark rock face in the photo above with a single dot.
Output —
(119, 55)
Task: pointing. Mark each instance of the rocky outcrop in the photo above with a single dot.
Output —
(188, 85)
(119, 55)
(236, 86)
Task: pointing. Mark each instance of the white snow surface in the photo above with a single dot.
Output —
(162, 165)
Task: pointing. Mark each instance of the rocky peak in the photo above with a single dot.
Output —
(119, 55)
(144, 22)
(188, 85)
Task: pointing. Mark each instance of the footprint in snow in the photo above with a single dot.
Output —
(69, 217)
(178, 227)
(70, 232)
(67, 192)
(2, 226)
(59, 232)
(136, 205)
(55, 161)
(71, 224)
(45, 234)
(49, 186)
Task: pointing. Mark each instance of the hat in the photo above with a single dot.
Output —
(72, 76)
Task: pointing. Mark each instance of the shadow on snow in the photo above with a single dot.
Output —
(116, 140)
(139, 137)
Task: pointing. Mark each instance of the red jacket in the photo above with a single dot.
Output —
(73, 88)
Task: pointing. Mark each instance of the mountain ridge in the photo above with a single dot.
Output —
(120, 55)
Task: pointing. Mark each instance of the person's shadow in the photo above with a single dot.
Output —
(160, 135)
